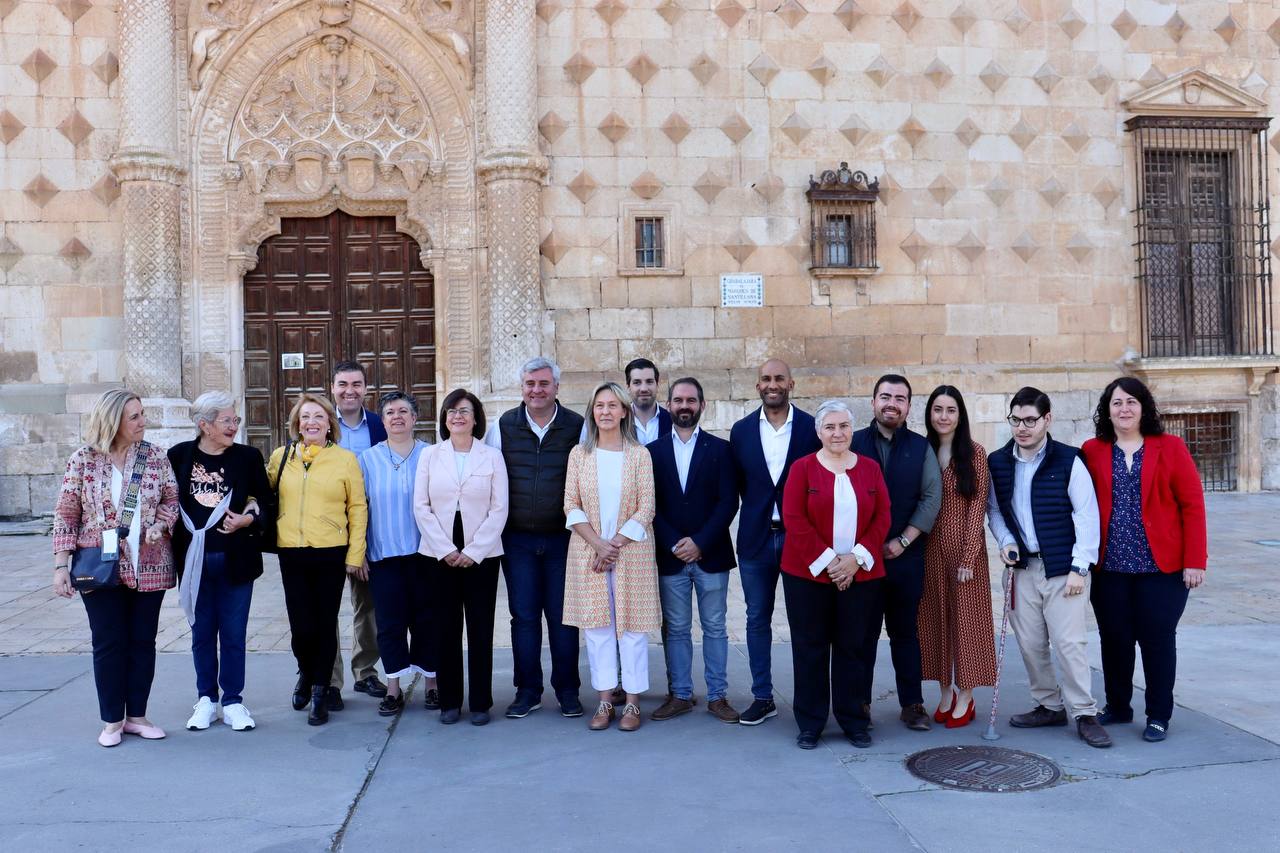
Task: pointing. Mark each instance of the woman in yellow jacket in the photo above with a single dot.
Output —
(320, 532)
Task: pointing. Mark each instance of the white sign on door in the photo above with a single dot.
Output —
(291, 361)
(742, 290)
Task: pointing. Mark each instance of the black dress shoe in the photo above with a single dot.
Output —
(570, 706)
(432, 702)
(391, 705)
(1037, 717)
(861, 740)
(333, 698)
(319, 714)
(449, 716)
(807, 740)
(1113, 718)
(372, 686)
(301, 694)
(479, 718)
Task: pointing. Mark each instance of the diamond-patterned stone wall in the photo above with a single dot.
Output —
(996, 130)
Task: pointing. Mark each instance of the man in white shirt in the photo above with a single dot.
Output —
(1043, 514)
(652, 421)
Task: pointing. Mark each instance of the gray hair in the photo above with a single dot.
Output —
(205, 408)
(395, 397)
(539, 363)
(827, 407)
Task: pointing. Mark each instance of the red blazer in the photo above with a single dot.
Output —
(1172, 500)
(808, 510)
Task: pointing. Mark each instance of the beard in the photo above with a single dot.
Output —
(685, 419)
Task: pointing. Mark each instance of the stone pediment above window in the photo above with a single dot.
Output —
(842, 226)
(1194, 93)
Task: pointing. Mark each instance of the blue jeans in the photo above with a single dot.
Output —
(760, 587)
(533, 564)
(222, 623)
(677, 609)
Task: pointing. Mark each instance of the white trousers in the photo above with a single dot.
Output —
(604, 648)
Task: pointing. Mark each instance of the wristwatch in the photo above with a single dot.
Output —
(904, 542)
(1084, 573)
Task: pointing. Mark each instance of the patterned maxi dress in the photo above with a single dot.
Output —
(955, 618)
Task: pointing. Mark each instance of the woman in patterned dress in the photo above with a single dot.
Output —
(957, 643)
(124, 618)
(611, 578)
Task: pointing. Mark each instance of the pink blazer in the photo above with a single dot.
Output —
(481, 496)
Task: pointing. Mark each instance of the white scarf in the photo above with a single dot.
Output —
(193, 566)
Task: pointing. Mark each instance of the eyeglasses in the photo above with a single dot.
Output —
(458, 413)
(229, 422)
(1029, 423)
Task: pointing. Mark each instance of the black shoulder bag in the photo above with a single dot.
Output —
(93, 568)
(271, 514)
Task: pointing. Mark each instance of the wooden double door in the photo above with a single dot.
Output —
(331, 289)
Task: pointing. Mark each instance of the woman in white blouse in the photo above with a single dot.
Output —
(611, 578)
(836, 510)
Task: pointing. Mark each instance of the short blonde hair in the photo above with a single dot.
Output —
(335, 430)
(105, 417)
(628, 424)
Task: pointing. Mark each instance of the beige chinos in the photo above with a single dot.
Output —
(1044, 617)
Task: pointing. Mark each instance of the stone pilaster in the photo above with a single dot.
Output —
(512, 170)
(148, 169)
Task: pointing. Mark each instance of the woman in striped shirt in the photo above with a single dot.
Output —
(397, 572)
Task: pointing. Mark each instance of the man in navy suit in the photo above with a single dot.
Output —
(763, 446)
(696, 500)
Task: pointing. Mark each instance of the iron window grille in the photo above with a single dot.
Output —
(842, 220)
(1212, 439)
(1203, 235)
(649, 242)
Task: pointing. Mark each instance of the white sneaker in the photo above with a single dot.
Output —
(205, 713)
(237, 716)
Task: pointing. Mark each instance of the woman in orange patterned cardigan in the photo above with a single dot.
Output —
(611, 578)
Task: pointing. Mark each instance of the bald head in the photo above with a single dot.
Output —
(774, 384)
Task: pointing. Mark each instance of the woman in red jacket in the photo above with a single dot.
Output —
(1151, 509)
(835, 508)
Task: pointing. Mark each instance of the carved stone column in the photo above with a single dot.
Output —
(146, 165)
(512, 170)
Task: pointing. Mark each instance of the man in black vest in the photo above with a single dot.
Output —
(1044, 516)
(915, 492)
(535, 439)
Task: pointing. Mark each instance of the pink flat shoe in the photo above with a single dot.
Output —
(109, 739)
(145, 732)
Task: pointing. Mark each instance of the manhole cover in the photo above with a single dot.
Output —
(983, 768)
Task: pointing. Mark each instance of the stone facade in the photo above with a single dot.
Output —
(146, 158)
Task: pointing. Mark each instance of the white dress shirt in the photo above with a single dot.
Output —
(609, 488)
(647, 433)
(493, 437)
(684, 454)
(1084, 509)
(774, 443)
(844, 530)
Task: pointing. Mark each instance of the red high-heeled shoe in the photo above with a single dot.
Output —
(963, 720)
(941, 716)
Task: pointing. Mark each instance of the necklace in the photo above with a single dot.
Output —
(394, 464)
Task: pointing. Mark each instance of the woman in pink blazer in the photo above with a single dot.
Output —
(460, 502)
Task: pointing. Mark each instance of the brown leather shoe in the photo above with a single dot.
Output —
(916, 718)
(723, 711)
(1037, 717)
(1092, 732)
(602, 718)
(630, 720)
(673, 707)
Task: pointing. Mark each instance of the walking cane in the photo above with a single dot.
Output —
(990, 733)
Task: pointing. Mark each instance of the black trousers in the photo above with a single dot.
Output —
(313, 581)
(898, 611)
(828, 650)
(468, 595)
(403, 609)
(1142, 609)
(123, 625)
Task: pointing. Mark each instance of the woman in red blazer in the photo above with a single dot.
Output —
(1151, 508)
(835, 508)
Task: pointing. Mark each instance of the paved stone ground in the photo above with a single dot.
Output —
(362, 782)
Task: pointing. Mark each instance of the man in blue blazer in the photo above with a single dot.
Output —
(763, 446)
(696, 500)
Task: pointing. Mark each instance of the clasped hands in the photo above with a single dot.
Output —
(842, 569)
(607, 553)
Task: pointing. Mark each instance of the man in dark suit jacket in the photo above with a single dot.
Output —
(696, 500)
(763, 446)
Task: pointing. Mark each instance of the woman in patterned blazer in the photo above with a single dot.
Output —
(611, 579)
(124, 618)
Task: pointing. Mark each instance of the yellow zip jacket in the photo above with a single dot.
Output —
(322, 506)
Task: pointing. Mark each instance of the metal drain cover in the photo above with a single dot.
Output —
(984, 768)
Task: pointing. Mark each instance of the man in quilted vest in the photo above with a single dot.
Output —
(1044, 516)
